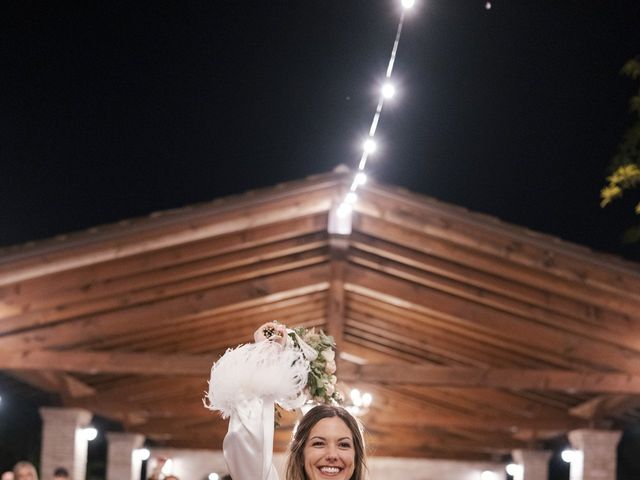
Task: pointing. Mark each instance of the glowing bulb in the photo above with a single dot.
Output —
(514, 469)
(487, 6)
(89, 433)
(488, 475)
(141, 454)
(408, 3)
(361, 178)
(351, 198)
(356, 399)
(366, 400)
(344, 210)
(388, 90)
(213, 476)
(369, 145)
(570, 455)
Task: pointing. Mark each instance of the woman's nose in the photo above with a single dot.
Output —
(332, 452)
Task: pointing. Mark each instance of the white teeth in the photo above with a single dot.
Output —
(330, 470)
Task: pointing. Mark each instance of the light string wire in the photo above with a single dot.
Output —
(369, 145)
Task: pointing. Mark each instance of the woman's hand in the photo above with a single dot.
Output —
(272, 331)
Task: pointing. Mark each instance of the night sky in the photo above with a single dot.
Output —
(112, 110)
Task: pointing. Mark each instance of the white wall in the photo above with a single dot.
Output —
(197, 464)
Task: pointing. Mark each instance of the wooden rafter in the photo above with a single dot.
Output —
(507, 378)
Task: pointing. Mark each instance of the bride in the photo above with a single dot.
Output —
(245, 385)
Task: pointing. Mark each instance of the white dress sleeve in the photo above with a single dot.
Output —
(248, 445)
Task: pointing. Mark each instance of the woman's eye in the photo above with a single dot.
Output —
(344, 445)
(317, 444)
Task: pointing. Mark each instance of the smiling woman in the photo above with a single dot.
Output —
(327, 444)
(246, 383)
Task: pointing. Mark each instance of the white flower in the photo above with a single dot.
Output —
(333, 379)
(329, 388)
(330, 367)
(328, 354)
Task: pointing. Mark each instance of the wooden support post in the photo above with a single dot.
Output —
(338, 246)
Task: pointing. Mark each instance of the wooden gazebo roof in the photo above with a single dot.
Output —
(474, 337)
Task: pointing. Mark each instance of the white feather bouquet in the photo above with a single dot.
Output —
(285, 366)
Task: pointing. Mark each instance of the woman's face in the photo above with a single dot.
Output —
(25, 473)
(329, 452)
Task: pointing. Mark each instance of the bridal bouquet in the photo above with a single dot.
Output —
(318, 350)
(287, 366)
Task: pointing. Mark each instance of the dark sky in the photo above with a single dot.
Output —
(110, 110)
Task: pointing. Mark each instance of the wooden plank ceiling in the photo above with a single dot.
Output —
(474, 337)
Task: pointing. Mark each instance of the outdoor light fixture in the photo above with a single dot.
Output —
(488, 475)
(515, 470)
(89, 433)
(351, 198)
(388, 90)
(344, 210)
(141, 454)
(361, 178)
(369, 145)
(570, 455)
(360, 402)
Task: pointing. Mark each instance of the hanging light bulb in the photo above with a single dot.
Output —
(361, 178)
(406, 4)
(487, 6)
(388, 90)
(369, 145)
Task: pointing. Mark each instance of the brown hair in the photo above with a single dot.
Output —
(295, 463)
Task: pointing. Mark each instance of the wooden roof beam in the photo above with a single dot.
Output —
(516, 329)
(338, 246)
(508, 378)
(170, 310)
(54, 382)
(166, 230)
(96, 362)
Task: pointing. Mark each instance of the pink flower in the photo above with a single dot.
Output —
(272, 331)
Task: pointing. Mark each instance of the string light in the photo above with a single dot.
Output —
(369, 146)
(487, 6)
(388, 91)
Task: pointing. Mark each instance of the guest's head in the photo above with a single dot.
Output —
(328, 440)
(25, 471)
(7, 476)
(60, 473)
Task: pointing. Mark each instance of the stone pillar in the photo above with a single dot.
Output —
(121, 462)
(599, 454)
(535, 464)
(62, 442)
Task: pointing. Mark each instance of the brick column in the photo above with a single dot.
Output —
(535, 463)
(599, 454)
(62, 443)
(121, 464)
